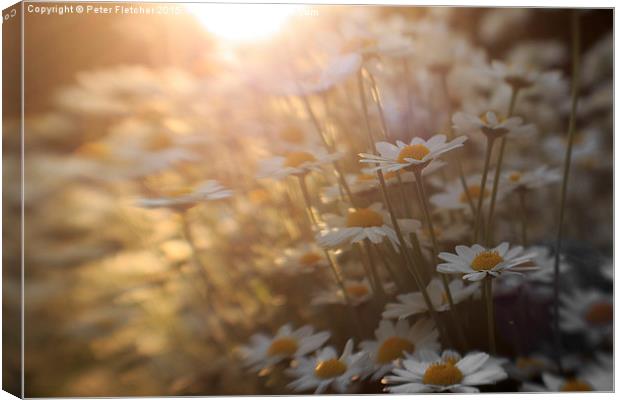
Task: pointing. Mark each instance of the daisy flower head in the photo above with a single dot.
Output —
(454, 197)
(518, 76)
(358, 292)
(304, 258)
(326, 369)
(264, 352)
(413, 303)
(531, 180)
(371, 223)
(394, 340)
(415, 156)
(594, 377)
(185, 198)
(492, 124)
(543, 274)
(589, 312)
(435, 373)
(528, 367)
(477, 262)
(295, 163)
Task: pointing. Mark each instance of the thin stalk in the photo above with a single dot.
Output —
(390, 268)
(401, 239)
(307, 199)
(522, 194)
(339, 174)
(373, 271)
(375, 92)
(488, 295)
(483, 183)
(431, 230)
(567, 161)
(336, 272)
(498, 170)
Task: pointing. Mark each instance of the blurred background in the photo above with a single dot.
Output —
(112, 306)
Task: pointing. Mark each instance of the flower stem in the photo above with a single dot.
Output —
(386, 198)
(373, 270)
(488, 295)
(444, 280)
(498, 170)
(522, 194)
(567, 160)
(483, 183)
(330, 148)
(336, 272)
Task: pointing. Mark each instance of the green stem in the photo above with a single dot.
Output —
(339, 174)
(567, 161)
(498, 170)
(401, 239)
(336, 272)
(488, 294)
(483, 183)
(374, 272)
(523, 208)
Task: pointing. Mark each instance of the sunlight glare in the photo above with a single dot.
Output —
(243, 22)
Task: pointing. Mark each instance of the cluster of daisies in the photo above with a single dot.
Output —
(419, 216)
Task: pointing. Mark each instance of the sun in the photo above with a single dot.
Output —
(243, 22)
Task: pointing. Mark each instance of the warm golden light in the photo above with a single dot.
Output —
(243, 22)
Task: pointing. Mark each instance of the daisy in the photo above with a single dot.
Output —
(596, 377)
(530, 180)
(295, 163)
(516, 75)
(491, 124)
(416, 155)
(326, 369)
(413, 303)
(589, 312)
(394, 340)
(358, 292)
(264, 351)
(304, 258)
(185, 198)
(368, 180)
(444, 374)
(544, 261)
(371, 223)
(477, 262)
(454, 196)
(528, 367)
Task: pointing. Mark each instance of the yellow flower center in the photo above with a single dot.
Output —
(415, 151)
(160, 141)
(95, 150)
(393, 348)
(600, 313)
(310, 258)
(357, 290)
(527, 362)
(364, 218)
(486, 260)
(296, 158)
(292, 134)
(575, 385)
(514, 177)
(442, 374)
(500, 118)
(474, 193)
(331, 368)
(356, 44)
(452, 360)
(258, 196)
(178, 191)
(284, 346)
